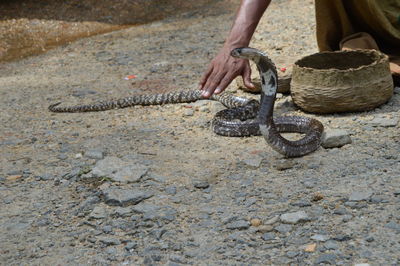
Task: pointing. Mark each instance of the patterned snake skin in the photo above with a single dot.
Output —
(244, 117)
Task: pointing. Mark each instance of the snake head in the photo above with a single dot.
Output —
(237, 52)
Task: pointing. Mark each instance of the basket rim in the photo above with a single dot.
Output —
(381, 58)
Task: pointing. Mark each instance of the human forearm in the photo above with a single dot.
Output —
(224, 68)
(247, 18)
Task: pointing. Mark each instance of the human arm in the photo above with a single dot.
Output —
(224, 68)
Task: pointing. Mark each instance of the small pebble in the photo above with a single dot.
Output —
(310, 247)
(294, 217)
(255, 222)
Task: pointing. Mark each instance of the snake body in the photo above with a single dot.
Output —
(244, 117)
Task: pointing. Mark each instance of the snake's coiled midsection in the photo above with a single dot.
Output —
(271, 128)
(244, 117)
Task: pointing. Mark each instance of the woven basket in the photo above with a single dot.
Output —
(345, 81)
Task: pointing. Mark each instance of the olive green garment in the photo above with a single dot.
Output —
(338, 19)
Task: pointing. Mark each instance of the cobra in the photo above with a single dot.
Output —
(244, 117)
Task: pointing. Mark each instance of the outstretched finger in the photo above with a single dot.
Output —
(205, 77)
(224, 83)
(212, 83)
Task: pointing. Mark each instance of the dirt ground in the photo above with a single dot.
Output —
(196, 198)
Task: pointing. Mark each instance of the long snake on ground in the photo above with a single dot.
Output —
(244, 117)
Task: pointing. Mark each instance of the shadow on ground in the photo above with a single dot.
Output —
(32, 27)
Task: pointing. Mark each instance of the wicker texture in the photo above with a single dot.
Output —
(345, 81)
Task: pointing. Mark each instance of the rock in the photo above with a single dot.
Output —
(119, 170)
(321, 238)
(129, 174)
(292, 254)
(294, 217)
(131, 245)
(255, 222)
(188, 112)
(98, 213)
(238, 225)
(317, 196)
(310, 247)
(301, 203)
(46, 177)
(201, 184)
(272, 220)
(254, 161)
(342, 238)
(265, 228)
(216, 106)
(268, 236)
(383, 122)
(107, 229)
(331, 245)
(13, 177)
(284, 164)
(335, 138)
(341, 211)
(122, 212)
(326, 258)
(360, 195)
(125, 197)
(393, 225)
(108, 241)
(62, 156)
(171, 190)
(94, 154)
(283, 228)
(159, 67)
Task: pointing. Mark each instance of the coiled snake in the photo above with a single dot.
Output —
(244, 117)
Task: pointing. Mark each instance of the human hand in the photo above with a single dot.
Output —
(222, 70)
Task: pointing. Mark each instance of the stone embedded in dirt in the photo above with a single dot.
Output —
(326, 258)
(119, 170)
(265, 228)
(216, 107)
(334, 138)
(125, 197)
(383, 122)
(284, 164)
(129, 174)
(253, 161)
(272, 220)
(331, 245)
(255, 222)
(294, 217)
(321, 238)
(268, 236)
(94, 154)
(283, 228)
(360, 195)
(238, 225)
(109, 241)
(201, 184)
(310, 247)
(122, 212)
(98, 213)
(393, 225)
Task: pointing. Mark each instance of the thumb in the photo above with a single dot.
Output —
(247, 78)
